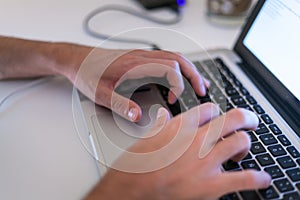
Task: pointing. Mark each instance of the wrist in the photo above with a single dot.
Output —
(121, 185)
(68, 58)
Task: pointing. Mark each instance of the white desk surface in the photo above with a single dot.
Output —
(41, 154)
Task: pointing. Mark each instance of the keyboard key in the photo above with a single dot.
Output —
(216, 75)
(283, 185)
(252, 136)
(274, 128)
(243, 90)
(232, 196)
(291, 196)
(214, 90)
(199, 66)
(245, 106)
(274, 171)
(294, 174)
(286, 162)
(269, 193)
(249, 195)
(206, 75)
(205, 98)
(238, 83)
(231, 165)
(225, 83)
(164, 92)
(222, 65)
(298, 186)
(229, 106)
(175, 108)
(231, 75)
(261, 129)
(267, 119)
(268, 139)
(220, 62)
(189, 101)
(250, 164)
(293, 151)
(209, 63)
(247, 157)
(188, 91)
(283, 139)
(220, 99)
(265, 159)
(231, 91)
(251, 100)
(277, 150)
(258, 109)
(238, 100)
(257, 148)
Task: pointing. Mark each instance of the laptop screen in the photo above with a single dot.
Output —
(274, 38)
(269, 47)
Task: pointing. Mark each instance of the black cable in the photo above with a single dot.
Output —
(130, 11)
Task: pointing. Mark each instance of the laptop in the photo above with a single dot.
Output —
(259, 74)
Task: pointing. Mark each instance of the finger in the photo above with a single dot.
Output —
(159, 68)
(182, 129)
(234, 147)
(188, 69)
(121, 105)
(125, 107)
(232, 121)
(229, 182)
(223, 126)
(193, 75)
(162, 118)
(199, 115)
(206, 82)
(239, 118)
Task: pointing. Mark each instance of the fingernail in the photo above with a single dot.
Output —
(267, 178)
(203, 88)
(172, 98)
(207, 83)
(133, 113)
(160, 113)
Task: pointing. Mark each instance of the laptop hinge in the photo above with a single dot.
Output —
(290, 115)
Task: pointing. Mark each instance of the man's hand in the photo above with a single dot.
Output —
(196, 173)
(96, 72)
(103, 70)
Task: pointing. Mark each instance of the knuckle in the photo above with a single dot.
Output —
(240, 114)
(179, 53)
(244, 139)
(174, 64)
(215, 108)
(137, 51)
(180, 56)
(251, 178)
(116, 105)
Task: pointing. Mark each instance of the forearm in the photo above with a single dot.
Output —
(25, 58)
(117, 185)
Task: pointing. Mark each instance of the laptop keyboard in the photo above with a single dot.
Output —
(270, 151)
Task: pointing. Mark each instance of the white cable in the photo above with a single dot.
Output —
(23, 88)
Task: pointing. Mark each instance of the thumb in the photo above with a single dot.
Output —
(125, 107)
(162, 117)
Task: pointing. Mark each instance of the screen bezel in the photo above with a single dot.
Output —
(279, 96)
